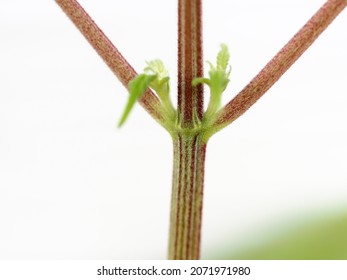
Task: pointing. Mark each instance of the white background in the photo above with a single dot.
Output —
(72, 186)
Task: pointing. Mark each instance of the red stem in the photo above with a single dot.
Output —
(190, 61)
(189, 148)
(280, 63)
(108, 52)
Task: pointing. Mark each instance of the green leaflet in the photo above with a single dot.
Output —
(161, 83)
(217, 81)
(156, 67)
(136, 87)
(200, 80)
(223, 58)
(156, 77)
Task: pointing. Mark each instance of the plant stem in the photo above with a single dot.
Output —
(187, 196)
(189, 137)
(108, 52)
(280, 63)
(189, 148)
(190, 61)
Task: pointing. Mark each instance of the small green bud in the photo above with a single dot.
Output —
(218, 79)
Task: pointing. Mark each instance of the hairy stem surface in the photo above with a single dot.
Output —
(189, 149)
(190, 61)
(187, 197)
(108, 52)
(280, 63)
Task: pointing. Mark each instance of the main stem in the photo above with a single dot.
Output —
(190, 62)
(187, 196)
(189, 148)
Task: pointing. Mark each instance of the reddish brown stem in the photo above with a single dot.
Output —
(108, 52)
(189, 148)
(190, 61)
(280, 63)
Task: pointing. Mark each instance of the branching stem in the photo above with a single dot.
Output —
(190, 132)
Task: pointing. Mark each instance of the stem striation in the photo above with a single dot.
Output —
(187, 197)
(189, 145)
(190, 61)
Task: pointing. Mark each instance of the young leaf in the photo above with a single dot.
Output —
(223, 58)
(161, 83)
(217, 81)
(219, 78)
(156, 77)
(136, 87)
(200, 80)
(218, 75)
(156, 67)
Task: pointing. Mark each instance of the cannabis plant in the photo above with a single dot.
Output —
(189, 124)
